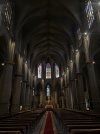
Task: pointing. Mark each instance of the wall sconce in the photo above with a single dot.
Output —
(76, 50)
(85, 33)
(93, 62)
(2, 64)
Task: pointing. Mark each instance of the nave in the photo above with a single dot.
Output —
(50, 121)
(49, 66)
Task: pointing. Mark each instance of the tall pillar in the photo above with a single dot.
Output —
(63, 102)
(35, 83)
(5, 88)
(28, 91)
(31, 90)
(41, 98)
(81, 94)
(43, 92)
(74, 94)
(16, 92)
(27, 96)
(93, 87)
(71, 102)
(93, 90)
(6, 79)
(23, 92)
(68, 98)
(31, 97)
(56, 102)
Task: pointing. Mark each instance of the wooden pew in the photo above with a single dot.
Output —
(15, 128)
(80, 123)
(10, 132)
(85, 131)
(20, 123)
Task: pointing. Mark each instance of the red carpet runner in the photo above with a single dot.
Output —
(48, 126)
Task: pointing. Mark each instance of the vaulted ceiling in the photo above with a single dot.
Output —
(47, 28)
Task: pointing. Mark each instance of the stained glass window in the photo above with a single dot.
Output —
(48, 71)
(89, 13)
(40, 71)
(7, 15)
(48, 90)
(56, 71)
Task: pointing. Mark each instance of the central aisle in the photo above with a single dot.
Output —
(48, 125)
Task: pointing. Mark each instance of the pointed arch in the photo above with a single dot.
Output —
(40, 70)
(56, 71)
(48, 71)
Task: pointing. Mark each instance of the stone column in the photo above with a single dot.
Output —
(97, 13)
(70, 97)
(28, 91)
(6, 79)
(63, 102)
(56, 102)
(35, 83)
(31, 97)
(43, 92)
(23, 94)
(76, 94)
(16, 92)
(34, 101)
(41, 98)
(31, 89)
(93, 88)
(27, 100)
(5, 88)
(81, 94)
(67, 98)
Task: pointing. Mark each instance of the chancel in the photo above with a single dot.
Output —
(49, 66)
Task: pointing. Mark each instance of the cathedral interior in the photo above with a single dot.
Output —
(49, 66)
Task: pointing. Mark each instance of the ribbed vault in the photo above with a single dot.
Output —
(47, 28)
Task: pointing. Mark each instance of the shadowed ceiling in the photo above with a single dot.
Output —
(47, 28)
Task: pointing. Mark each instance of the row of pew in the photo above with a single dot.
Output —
(20, 123)
(76, 122)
